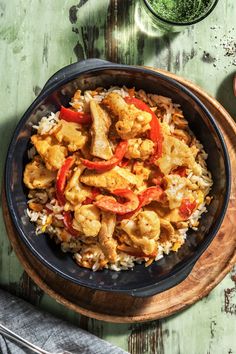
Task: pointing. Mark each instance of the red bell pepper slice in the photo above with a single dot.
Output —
(124, 163)
(109, 164)
(181, 171)
(138, 104)
(109, 203)
(151, 194)
(146, 197)
(157, 137)
(61, 179)
(186, 208)
(68, 224)
(135, 252)
(72, 116)
(90, 200)
(155, 132)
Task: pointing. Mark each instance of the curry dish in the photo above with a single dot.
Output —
(116, 178)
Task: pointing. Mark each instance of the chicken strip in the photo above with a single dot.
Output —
(167, 231)
(71, 134)
(131, 120)
(100, 146)
(107, 243)
(113, 179)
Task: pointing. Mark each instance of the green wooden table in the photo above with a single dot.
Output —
(38, 37)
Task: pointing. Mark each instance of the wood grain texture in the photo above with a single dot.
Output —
(39, 37)
(209, 270)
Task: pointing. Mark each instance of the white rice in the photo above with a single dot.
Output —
(54, 207)
(33, 215)
(124, 262)
(84, 100)
(47, 123)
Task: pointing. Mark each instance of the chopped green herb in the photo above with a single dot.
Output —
(181, 11)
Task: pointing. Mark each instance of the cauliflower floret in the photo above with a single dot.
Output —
(177, 153)
(131, 120)
(36, 175)
(140, 170)
(51, 152)
(177, 188)
(71, 134)
(87, 220)
(143, 231)
(75, 191)
(139, 149)
(148, 224)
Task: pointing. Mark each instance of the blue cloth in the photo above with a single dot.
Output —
(45, 331)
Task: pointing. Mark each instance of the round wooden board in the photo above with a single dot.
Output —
(210, 269)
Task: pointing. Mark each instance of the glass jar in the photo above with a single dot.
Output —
(151, 22)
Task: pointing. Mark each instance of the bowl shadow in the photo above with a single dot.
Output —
(225, 95)
(102, 39)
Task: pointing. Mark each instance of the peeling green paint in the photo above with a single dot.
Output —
(9, 34)
(39, 37)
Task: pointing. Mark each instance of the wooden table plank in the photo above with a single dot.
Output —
(39, 37)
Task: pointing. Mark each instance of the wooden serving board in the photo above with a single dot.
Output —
(210, 269)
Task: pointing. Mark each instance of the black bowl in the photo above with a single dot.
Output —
(173, 268)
